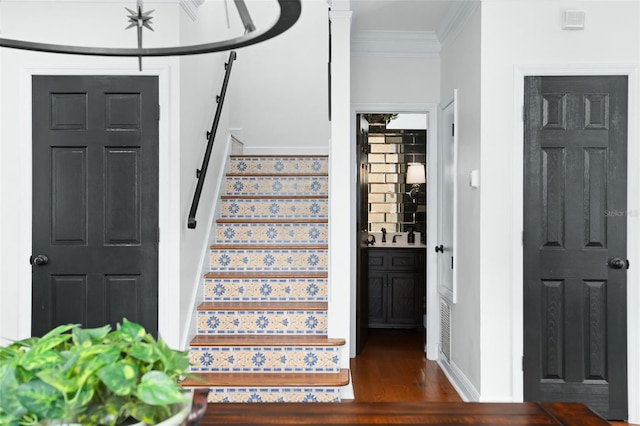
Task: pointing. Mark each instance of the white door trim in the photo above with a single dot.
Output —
(633, 224)
(167, 249)
(433, 310)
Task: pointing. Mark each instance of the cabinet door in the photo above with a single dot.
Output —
(404, 298)
(377, 288)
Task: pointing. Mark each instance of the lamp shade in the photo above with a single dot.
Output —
(415, 173)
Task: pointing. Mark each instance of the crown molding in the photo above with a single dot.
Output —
(191, 7)
(395, 43)
(454, 19)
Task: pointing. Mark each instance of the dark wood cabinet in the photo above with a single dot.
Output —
(396, 287)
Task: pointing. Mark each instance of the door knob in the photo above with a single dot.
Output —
(617, 263)
(440, 248)
(40, 260)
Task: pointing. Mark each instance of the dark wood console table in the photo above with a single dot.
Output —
(402, 413)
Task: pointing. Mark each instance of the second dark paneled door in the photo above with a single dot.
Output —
(575, 242)
(95, 201)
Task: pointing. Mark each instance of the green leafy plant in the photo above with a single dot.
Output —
(90, 376)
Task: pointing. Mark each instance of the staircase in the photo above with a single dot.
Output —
(262, 327)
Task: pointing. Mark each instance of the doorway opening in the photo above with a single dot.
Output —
(392, 227)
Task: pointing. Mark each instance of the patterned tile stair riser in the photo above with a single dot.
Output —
(274, 395)
(280, 259)
(265, 359)
(264, 310)
(288, 208)
(265, 289)
(283, 322)
(271, 233)
(276, 185)
(278, 165)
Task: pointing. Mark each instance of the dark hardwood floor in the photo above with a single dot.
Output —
(392, 368)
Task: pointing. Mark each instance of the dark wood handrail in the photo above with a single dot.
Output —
(202, 172)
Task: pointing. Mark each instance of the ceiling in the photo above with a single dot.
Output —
(398, 15)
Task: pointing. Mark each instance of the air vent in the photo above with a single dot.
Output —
(445, 329)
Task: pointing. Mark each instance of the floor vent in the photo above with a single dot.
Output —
(445, 329)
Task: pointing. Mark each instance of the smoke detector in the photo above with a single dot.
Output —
(573, 20)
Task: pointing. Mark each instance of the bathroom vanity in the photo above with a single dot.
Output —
(396, 285)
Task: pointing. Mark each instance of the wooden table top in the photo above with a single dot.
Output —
(423, 413)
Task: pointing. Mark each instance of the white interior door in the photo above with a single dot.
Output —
(447, 153)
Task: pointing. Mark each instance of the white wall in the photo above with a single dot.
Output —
(461, 70)
(282, 93)
(384, 79)
(201, 78)
(75, 22)
(517, 34)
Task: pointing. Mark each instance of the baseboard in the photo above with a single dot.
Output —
(346, 392)
(459, 381)
(196, 295)
(286, 150)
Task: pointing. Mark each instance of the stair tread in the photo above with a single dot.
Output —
(273, 197)
(263, 306)
(270, 220)
(278, 246)
(340, 378)
(262, 340)
(267, 274)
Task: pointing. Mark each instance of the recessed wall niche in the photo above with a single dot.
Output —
(391, 205)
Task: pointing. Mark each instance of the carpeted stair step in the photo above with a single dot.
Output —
(282, 207)
(265, 286)
(268, 258)
(249, 318)
(271, 387)
(270, 353)
(278, 165)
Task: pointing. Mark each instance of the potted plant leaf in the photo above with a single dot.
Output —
(93, 376)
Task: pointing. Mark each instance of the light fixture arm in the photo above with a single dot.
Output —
(289, 13)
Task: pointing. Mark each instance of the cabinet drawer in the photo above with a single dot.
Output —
(376, 260)
(405, 260)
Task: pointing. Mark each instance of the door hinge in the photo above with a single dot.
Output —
(158, 235)
(451, 262)
(453, 129)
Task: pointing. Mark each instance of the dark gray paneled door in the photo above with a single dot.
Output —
(95, 201)
(575, 243)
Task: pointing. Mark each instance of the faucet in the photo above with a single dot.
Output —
(371, 241)
(394, 237)
(384, 235)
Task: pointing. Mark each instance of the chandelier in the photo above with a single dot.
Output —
(289, 14)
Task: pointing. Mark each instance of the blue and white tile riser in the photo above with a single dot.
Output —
(278, 165)
(288, 208)
(276, 185)
(265, 394)
(299, 359)
(271, 233)
(269, 259)
(277, 259)
(265, 289)
(285, 322)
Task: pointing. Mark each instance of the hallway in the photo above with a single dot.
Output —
(392, 368)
